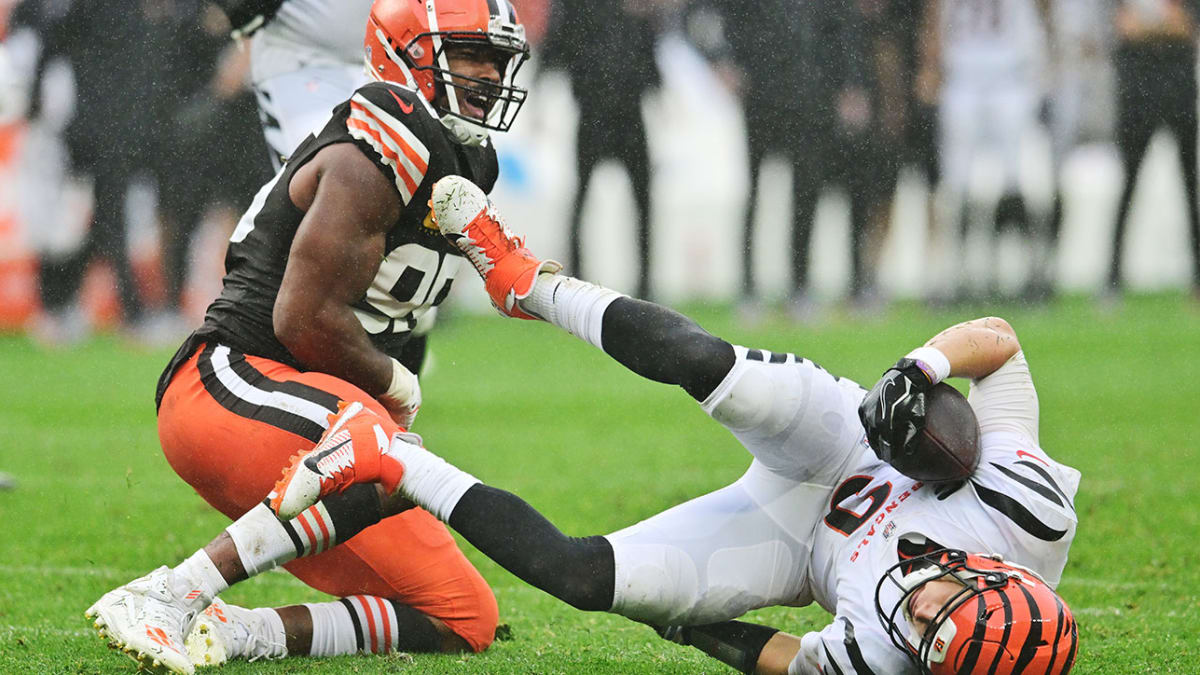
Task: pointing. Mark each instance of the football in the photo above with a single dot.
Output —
(947, 449)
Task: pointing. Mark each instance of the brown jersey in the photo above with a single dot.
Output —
(398, 131)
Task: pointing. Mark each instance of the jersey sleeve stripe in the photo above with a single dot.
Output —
(404, 182)
(399, 138)
(398, 147)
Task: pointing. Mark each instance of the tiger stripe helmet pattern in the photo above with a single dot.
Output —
(406, 42)
(1006, 619)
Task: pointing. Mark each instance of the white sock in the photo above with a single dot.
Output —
(202, 577)
(430, 481)
(573, 305)
(332, 630)
(262, 541)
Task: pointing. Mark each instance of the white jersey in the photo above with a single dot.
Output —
(991, 38)
(1019, 504)
(817, 517)
(310, 33)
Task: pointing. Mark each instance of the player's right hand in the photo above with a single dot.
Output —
(893, 412)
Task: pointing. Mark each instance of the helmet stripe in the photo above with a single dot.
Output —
(1058, 633)
(1034, 640)
(1008, 624)
(1074, 647)
(976, 645)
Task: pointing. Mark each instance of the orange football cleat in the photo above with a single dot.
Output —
(352, 450)
(466, 217)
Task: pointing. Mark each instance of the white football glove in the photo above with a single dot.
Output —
(403, 397)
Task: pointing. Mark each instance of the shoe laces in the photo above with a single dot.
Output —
(244, 630)
(262, 648)
(506, 242)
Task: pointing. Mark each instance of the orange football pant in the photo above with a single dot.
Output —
(232, 454)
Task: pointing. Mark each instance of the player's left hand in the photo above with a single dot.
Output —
(893, 412)
(402, 399)
(404, 412)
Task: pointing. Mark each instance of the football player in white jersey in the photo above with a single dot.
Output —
(919, 577)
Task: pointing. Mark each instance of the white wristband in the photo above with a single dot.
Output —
(404, 383)
(935, 359)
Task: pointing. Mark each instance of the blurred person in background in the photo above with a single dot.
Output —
(111, 137)
(921, 93)
(986, 58)
(213, 158)
(606, 48)
(876, 111)
(1155, 61)
(1080, 103)
(789, 61)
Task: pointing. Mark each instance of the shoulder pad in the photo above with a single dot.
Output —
(394, 123)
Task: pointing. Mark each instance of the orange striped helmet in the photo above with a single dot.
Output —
(406, 43)
(1004, 620)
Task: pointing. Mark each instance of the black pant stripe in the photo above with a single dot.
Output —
(298, 389)
(358, 633)
(275, 417)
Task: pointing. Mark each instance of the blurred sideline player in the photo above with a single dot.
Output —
(1080, 104)
(989, 53)
(306, 57)
(329, 271)
(818, 517)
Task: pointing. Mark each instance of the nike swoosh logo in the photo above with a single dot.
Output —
(883, 397)
(311, 462)
(405, 107)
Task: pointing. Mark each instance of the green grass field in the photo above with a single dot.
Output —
(532, 410)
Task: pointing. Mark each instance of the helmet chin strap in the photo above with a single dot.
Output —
(464, 132)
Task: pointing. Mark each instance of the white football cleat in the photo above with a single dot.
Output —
(147, 619)
(224, 632)
(466, 217)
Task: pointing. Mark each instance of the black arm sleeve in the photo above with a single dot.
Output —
(577, 570)
(663, 345)
(734, 643)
